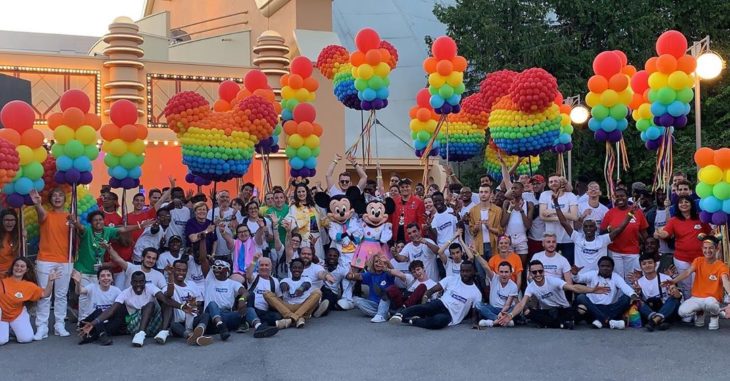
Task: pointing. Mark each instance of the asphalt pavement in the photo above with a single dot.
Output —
(346, 346)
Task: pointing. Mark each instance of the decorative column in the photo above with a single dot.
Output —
(271, 59)
(124, 64)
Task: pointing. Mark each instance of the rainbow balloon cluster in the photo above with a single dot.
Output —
(302, 143)
(463, 136)
(651, 135)
(714, 184)
(297, 87)
(74, 130)
(609, 96)
(493, 166)
(371, 65)
(526, 121)
(123, 145)
(564, 141)
(334, 64)
(423, 124)
(445, 76)
(219, 145)
(18, 118)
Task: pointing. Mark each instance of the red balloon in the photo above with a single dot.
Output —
(254, 80)
(367, 39)
(75, 98)
(301, 65)
(17, 115)
(227, 90)
(671, 42)
(640, 81)
(304, 112)
(622, 56)
(444, 48)
(123, 112)
(607, 64)
(423, 98)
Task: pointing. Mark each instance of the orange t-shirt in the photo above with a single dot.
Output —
(54, 238)
(7, 255)
(708, 278)
(14, 293)
(513, 260)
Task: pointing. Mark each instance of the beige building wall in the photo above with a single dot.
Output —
(233, 48)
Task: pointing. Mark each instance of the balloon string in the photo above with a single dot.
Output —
(429, 146)
(560, 166)
(665, 162)
(352, 151)
(71, 227)
(608, 168)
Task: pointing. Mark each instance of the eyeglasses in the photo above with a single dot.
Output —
(536, 272)
(244, 231)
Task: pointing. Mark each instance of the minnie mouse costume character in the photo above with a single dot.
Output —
(377, 231)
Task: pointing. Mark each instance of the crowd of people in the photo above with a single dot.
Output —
(520, 251)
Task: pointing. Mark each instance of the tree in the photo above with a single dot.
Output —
(563, 37)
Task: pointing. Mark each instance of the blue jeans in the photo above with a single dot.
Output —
(488, 311)
(370, 308)
(568, 251)
(432, 315)
(605, 312)
(668, 310)
(231, 319)
(268, 317)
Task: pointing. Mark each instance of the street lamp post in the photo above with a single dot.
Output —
(579, 114)
(709, 66)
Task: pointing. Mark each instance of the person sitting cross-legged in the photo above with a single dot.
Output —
(225, 299)
(258, 312)
(659, 303)
(300, 299)
(417, 283)
(503, 294)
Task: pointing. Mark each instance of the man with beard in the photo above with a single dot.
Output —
(605, 309)
(316, 274)
(189, 325)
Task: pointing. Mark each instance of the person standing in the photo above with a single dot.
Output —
(409, 208)
(443, 223)
(516, 220)
(485, 225)
(568, 204)
(344, 182)
(591, 208)
(657, 217)
(624, 248)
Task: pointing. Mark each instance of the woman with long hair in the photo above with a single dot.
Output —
(9, 240)
(684, 227)
(16, 289)
(304, 217)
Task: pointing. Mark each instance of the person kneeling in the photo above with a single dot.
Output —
(606, 309)
(300, 299)
(659, 303)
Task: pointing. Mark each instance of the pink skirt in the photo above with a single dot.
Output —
(362, 254)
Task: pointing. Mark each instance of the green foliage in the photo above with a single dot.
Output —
(563, 37)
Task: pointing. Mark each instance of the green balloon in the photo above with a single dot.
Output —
(600, 112)
(459, 89)
(643, 124)
(619, 111)
(290, 152)
(666, 95)
(111, 161)
(721, 190)
(304, 152)
(652, 95)
(433, 90)
(422, 136)
(128, 160)
(361, 84)
(91, 151)
(33, 171)
(315, 152)
(376, 83)
(704, 190)
(386, 81)
(414, 135)
(57, 150)
(685, 95)
(74, 149)
(446, 91)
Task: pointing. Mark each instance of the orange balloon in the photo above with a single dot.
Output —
(722, 158)
(266, 94)
(296, 81)
(311, 84)
(636, 101)
(373, 57)
(54, 120)
(412, 112)
(687, 64)
(10, 135)
(283, 81)
(109, 132)
(141, 131)
(305, 129)
(92, 120)
(423, 114)
(32, 138)
(597, 84)
(73, 117)
(221, 106)
(618, 82)
(666, 63)
(317, 129)
(429, 65)
(704, 156)
(459, 63)
(564, 109)
(277, 107)
(444, 67)
(357, 58)
(290, 127)
(650, 65)
(385, 55)
(629, 70)
(128, 132)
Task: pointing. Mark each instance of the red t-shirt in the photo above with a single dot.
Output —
(686, 245)
(133, 218)
(628, 241)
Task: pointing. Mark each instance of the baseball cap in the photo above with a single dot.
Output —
(221, 263)
(537, 179)
(638, 186)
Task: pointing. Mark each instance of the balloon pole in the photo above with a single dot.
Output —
(725, 243)
(215, 193)
(124, 206)
(22, 250)
(71, 227)
(362, 132)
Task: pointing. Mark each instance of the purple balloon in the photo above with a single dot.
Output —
(114, 183)
(652, 144)
(569, 146)
(27, 200)
(14, 200)
(86, 177)
(385, 103)
(60, 177)
(600, 136)
(666, 120)
(72, 176)
(128, 183)
(706, 217)
(365, 105)
(657, 121)
(446, 109)
(560, 148)
(614, 136)
(190, 178)
(455, 109)
(719, 218)
(680, 121)
(378, 104)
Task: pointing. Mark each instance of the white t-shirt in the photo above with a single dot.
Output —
(335, 191)
(587, 253)
(660, 220)
(515, 226)
(223, 292)
(550, 294)
(565, 201)
(537, 229)
(466, 208)
(424, 254)
(147, 239)
(254, 227)
(99, 298)
(153, 277)
(413, 283)
(499, 294)
(184, 294)
(445, 226)
(402, 267)
(195, 273)
(228, 214)
(178, 219)
(135, 302)
(650, 288)
(555, 266)
(597, 213)
(289, 296)
(312, 273)
(458, 297)
(262, 286)
(452, 268)
(616, 284)
(167, 259)
(339, 273)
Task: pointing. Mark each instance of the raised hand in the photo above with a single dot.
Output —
(575, 269)
(172, 181)
(35, 196)
(76, 276)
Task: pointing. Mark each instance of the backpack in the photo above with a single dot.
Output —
(252, 290)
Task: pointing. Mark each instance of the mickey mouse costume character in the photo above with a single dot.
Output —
(377, 231)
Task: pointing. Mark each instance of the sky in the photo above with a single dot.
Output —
(75, 17)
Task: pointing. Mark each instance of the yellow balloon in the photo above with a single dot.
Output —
(302, 95)
(287, 92)
(63, 134)
(657, 80)
(645, 111)
(117, 147)
(592, 99)
(312, 141)
(25, 154)
(136, 147)
(727, 176)
(431, 126)
(625, 96)
(365, 71)
(609, 98)
(436, 80)
(86, 135)
(312, 96)
(678, 80)
(710, 174)
(382, 70)
(415, 125)
(455, 78)
(40, 154)
(295, 141)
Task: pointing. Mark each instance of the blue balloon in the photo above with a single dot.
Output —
(454, 100)
(609, 124)
(23, 185)
(296, 163)
(622, 124)
(676, 108)
(594, 125)
(134, 173)
(382, 93)
(419, 145)
(726, 206)
(64, 163)
(658, 109)
(39, 184)
(82, 163)
(564, 138)
(653, 132)
(9, 188)
(710, 204)
(311, 162)
(119, 172)
(286, 115)
(369, 94)
(436, 101)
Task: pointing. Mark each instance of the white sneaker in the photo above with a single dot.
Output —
(616, 324)
(161, 337)
(138, 339)
(486, 323)
(714, 323)
(61, 330)
(597, 324)
(511, 323)
(699, 320)
(378, 319)
(345, 304)
(41, 333)
(322, 308)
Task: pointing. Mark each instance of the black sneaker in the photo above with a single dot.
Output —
(105, 340)
(650, 325)
(243, 328)
(223, 331)
(265, 330)
(664, 326)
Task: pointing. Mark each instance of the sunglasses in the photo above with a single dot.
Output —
(219, 267)
(344, 181)
(536, 272)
